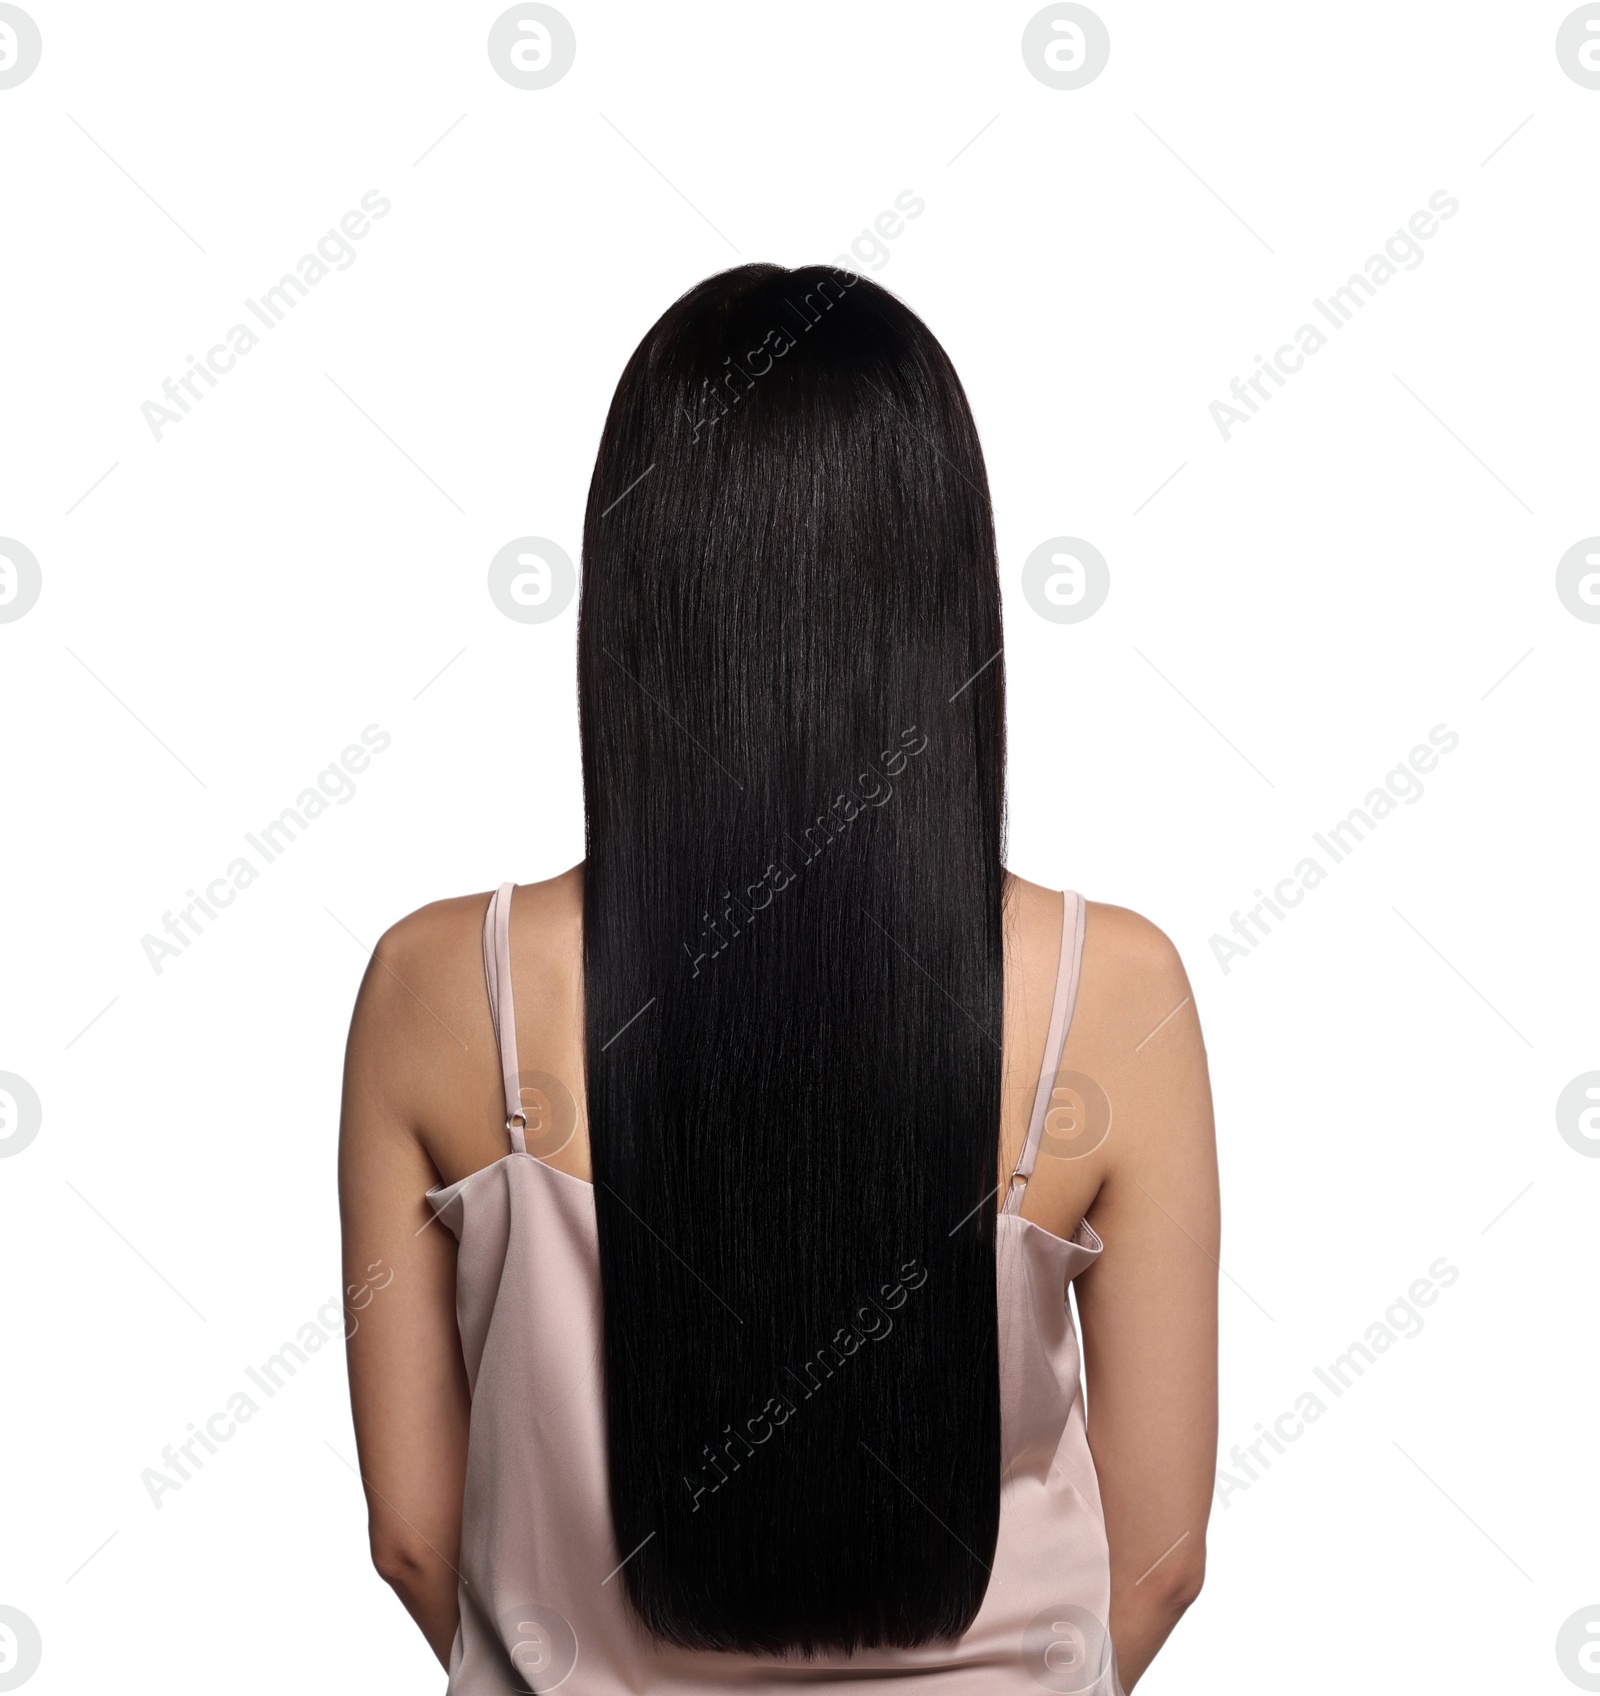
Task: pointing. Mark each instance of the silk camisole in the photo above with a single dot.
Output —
(541, 1593)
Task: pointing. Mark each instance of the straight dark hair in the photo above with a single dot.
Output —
(792, 713)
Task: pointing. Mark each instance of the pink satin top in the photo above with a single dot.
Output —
(542, 1600)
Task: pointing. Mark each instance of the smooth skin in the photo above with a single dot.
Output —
(423, 1105)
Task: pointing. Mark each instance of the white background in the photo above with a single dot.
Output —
(305, 554)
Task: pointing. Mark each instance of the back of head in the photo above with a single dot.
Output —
(792, 720)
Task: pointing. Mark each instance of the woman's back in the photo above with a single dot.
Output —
(535, 1540)
(546, 946)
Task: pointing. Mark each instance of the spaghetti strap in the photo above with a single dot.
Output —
(502, 1009)
(1068, 968)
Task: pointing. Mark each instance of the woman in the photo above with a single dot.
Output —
(732, 1217)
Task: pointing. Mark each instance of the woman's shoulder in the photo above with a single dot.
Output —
(1126, 948)
(1125, 955)
(424, 987)
(430, 962)
(432, 958)
(422, 1037)
(442, 942)
(421, 1015)
(1133, 1061)
(1135, 1029)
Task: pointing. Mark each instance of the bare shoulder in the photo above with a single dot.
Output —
(1136, 1031)
(422, 1040)
(430, 963)
(1133, 1073)
(427, 964)
(1134, 998)
(1129, 964)
(435, 936)
(418, 1031)
(1132, 962)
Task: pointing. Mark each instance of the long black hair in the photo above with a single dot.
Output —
(791, 704)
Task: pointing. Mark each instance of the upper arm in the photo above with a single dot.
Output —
(407, 1382)
(1149, 1305)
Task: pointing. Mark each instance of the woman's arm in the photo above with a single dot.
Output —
(1149, 1306)
(408, 1386)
